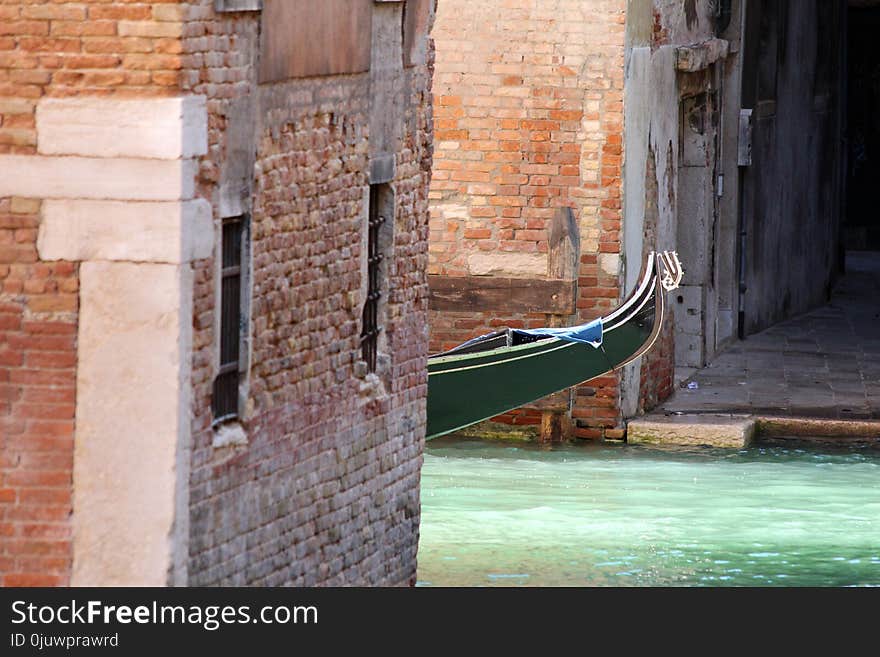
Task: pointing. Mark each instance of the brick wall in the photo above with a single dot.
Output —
(326, 489)
(529, 118)
(54, 49)
(82, 48)
(38, 314)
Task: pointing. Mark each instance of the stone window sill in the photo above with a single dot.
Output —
(229, 434)
(237, 5)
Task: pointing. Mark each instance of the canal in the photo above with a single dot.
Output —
(516, 514)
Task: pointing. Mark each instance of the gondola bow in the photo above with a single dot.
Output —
(505, 369)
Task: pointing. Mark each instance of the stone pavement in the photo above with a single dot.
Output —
(824, 364)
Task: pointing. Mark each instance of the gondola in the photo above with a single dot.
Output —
(505, 369)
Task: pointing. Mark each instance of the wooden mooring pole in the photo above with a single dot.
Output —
(555, 420)
(562, 263)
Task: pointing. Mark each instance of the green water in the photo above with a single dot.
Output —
(494, 514)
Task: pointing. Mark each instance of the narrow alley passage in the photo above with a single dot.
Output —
(823, 364)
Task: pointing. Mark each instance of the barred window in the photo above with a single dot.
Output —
(371, 328)
(232, 326)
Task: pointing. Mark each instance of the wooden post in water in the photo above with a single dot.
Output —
(555, 422)
(562, 263)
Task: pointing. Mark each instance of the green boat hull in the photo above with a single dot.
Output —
(468, 388)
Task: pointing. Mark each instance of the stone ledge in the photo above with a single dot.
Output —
(383, 168)
(221, 6)
(161, 128)
(714, 430)
(172, 232)
(515, 265)
(124, 179)
(489, 430)
(801, 427)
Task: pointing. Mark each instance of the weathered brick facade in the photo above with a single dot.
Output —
(53, 50)
(326, 490)
(320, 483)
(529, 119)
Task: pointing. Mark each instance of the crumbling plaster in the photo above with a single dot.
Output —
(656, 33)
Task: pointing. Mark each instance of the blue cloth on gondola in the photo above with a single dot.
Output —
(590, 333)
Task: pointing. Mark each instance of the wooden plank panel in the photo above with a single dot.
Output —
(502, 294)
(307, 38)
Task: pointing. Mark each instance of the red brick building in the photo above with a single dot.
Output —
(529, 142)
(207, 374)
(574, 136)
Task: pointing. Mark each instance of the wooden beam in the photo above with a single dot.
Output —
(565, 245)
(501, 294)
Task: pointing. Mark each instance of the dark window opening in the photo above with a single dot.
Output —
(225, 397)
(371, 329)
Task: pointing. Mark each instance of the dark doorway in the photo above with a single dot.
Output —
(861, 228)
(790, 188)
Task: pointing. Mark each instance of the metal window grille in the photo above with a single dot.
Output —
(371, 328)
(225, 397)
